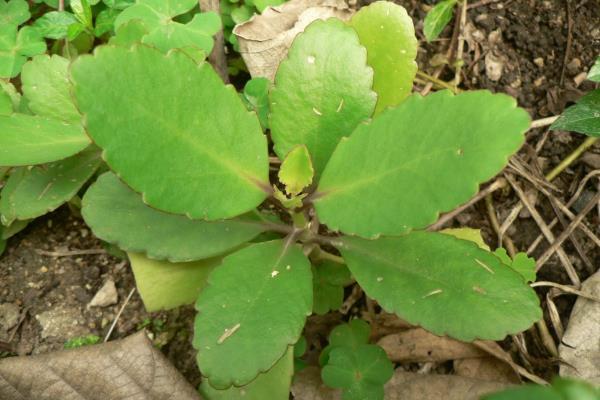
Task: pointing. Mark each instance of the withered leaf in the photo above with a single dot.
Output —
(129, 369)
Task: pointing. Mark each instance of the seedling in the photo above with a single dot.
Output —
(363, 169)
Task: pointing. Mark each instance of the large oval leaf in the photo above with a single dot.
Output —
(253, 308)
(387, 32)
(412, 162)
(165, 285)
(172, 131)
(447, 285)
(583, 117)
(272, 385)
(322, 91)
(30, 193)
(46, 85)
(118, 215)
(28, 140)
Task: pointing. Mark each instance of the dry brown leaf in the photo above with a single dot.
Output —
(307, 385)
(485, 368)
(418, 345)
(580, 347)
(129, 369)
(266, 38)
(403, 386)
(413, 386)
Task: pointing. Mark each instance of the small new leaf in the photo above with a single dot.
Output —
(437, 18)
(55, 24)
(296, 170)
(16, 46)
(13, 12)
(583, 117)
(329, 279)
(361, 372)
(523, 264)
(594, 72)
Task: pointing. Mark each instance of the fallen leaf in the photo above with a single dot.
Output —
(266, 38)
(403, 386)
(580, 346)
(126, 369)
(485, 368)
(418, 345)
(413, 386)
(307, 385)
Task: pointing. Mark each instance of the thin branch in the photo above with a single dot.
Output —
(112, 326)
(545, 230)
(567, 232)
(217, 57)
(540, 123)
(71, 253)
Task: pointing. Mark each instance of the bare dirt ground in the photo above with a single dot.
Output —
(533, 50)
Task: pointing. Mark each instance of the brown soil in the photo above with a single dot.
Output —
(528, 37)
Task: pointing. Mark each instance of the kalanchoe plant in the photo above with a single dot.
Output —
(365, 167)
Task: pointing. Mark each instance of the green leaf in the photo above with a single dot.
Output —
(32, 192)
(474, 235)
(118, 215)
(118, 4)
(523, 264)
(583, 117)
(6, 104)
(155, 12)
(361, 372)
(272, 385)
(74, 30)
(418, 164)
(261, 5)
(16, 47)
(387, 31)
(164, 285)
(351, 335)
(6, 232)
(7, 88)
(241, 14)
(322, 91)
(253, 308)
(105, 21)
(47, 87)
(208, 153)
(256, 97)
(129, 33)
(296, 170)
(437, 18)
(54, 24)
(14, 12)
(197, 33)
(561, 389)
(28, 140)
(423, 275)
(83, 12)
(594, 72)
(328, 286)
